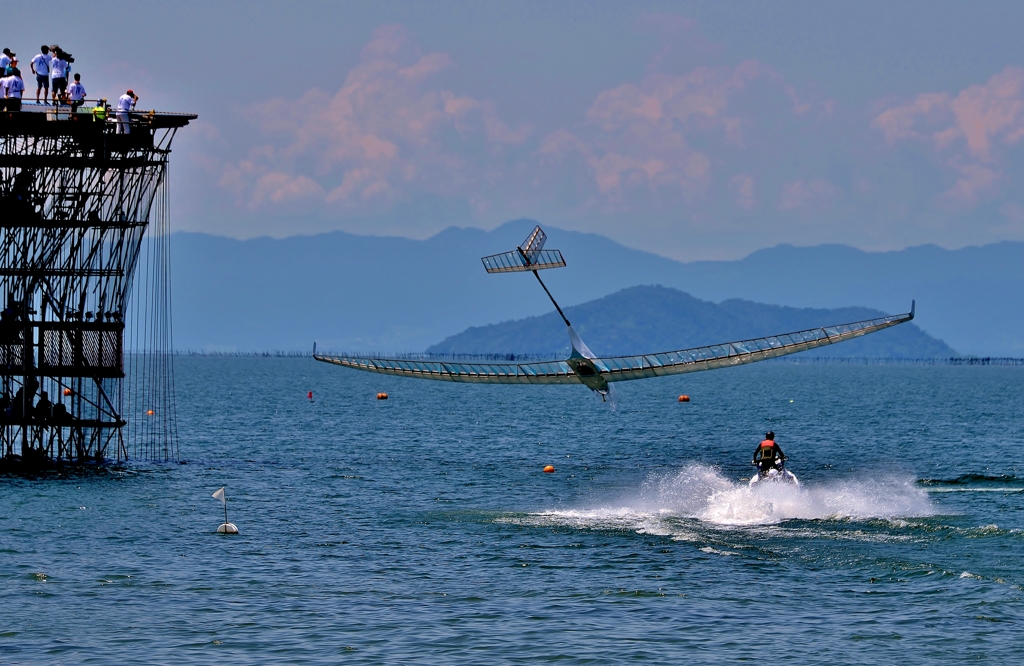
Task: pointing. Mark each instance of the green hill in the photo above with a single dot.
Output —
(653, 318)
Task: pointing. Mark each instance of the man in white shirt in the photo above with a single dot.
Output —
(5, 60)
(125, 103)
(13, 89)
(77, 92)
(40, 66)
(58, 75)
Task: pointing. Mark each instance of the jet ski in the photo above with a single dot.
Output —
(772, 471)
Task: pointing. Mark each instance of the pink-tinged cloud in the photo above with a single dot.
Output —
(970, 133)
(812, 195)
(364, 183)
(390, 133)
(994, 111)
(902, 122)
(699, 96)
(386, 128)
(561, 142)
(425, 67)
(975, 182)
(639, 135)
(277, 187)
(742, 186)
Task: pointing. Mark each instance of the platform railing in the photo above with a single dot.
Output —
(100, 110)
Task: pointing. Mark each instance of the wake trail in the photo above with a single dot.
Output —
(702, 493)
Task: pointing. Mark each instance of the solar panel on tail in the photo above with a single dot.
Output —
(530, 256)
(511, 262)
(534, 244)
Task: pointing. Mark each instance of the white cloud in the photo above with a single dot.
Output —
(641, 136)
(970, 133)
(729, 156)
(743, 186)
(810, 195)
(384, 134)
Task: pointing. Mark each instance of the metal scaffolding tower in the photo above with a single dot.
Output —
(76, 199)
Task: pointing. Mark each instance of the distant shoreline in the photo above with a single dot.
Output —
(529, 358)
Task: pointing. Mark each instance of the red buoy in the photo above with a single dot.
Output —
(310, 395)
(684, 398)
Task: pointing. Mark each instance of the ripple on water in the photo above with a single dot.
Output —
(408, 534)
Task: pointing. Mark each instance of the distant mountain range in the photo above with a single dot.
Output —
(648, 319)
(369, 293)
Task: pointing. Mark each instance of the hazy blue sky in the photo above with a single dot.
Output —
(693, 129)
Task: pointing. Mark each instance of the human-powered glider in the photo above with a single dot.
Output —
(583, 367)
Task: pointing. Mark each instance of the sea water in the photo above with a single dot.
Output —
(421, 529)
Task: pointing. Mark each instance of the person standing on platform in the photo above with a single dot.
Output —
(14, 87)
(58, 74)
(77, 92)
(5, 60)
(125, 104)
(40, 66)
(3, 95)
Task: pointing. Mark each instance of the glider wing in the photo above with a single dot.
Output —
(553, 372)
(623, 368)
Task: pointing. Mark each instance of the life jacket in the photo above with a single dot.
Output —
(766, 452)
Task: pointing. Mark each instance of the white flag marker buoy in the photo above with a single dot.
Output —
(225, 527)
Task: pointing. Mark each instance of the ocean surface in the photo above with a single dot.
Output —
(422, 530)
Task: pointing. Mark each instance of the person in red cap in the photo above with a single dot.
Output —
(125, 104)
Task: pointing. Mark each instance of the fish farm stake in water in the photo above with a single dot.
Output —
(78, 199)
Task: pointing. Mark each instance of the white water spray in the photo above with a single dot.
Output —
(701, 492)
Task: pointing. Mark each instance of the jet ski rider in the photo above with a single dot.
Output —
(768, 454)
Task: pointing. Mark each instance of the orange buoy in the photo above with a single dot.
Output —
(382, 396)
(67, 391)
(549, 469)
(684, 398)
(150, 412)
